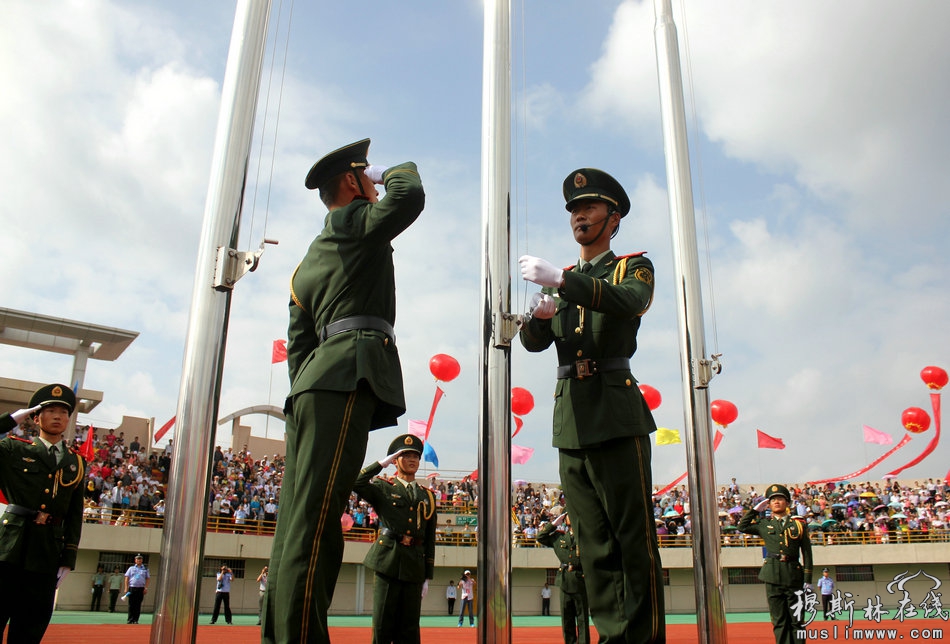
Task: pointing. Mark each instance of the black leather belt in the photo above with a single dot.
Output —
(782, 558)
(353, 323)
(39, 517)
(582, 368)
(402, 539)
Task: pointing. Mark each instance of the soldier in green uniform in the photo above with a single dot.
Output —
(591, 313)
(345, 376)
(39, 534)
(403, 555)
(570, 580)
(786, 537)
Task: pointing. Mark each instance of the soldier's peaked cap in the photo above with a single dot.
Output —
(55, 394)
(591, 183)
(778, 490)
(339, 161)
(406, 441)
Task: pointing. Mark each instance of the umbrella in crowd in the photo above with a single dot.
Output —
(880, 507)
(895, 504)
(868, 495)
(736, 510)
(840, 506)
(828, 523)
(899, 515)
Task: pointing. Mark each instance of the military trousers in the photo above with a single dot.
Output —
(396, 609)
(326, 437)
(781, 598)
(608, 489)
(26, 602)
(575, 621)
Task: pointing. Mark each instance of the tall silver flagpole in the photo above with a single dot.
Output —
(218, 267)
(697, 370)
(494, 453)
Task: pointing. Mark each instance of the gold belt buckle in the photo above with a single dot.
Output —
(406, 540)
(583, 368)
(41, 518)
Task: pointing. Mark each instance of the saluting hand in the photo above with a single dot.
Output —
(389, 460)
(20, 414)
(761, 505)
(375, 173)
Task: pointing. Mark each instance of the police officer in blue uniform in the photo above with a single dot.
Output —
(40, 529)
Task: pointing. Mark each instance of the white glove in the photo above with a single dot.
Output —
(375, 173)
(559, 519)
(61, 575)
(389, 460)
(425, 588)
(540, 271)
(542, 306)
(761, 505)
(20, 414)
(809, 588)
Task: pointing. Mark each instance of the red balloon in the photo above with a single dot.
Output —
(522, 401)
(723, 412)
(934, 377)
(651, 396)
(915, 420)
(444, 367)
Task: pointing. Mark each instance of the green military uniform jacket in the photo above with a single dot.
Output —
(347, 271)
(570, 575)
(784, 540)
(404, 517)
(30, 479)
(598, 316)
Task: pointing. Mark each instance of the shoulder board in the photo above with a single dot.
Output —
(21, 439)
(619, 257)
(387, 479)
(799, 519)
(569, 268)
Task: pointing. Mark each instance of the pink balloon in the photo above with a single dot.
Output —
(444, 367)
(522, 401)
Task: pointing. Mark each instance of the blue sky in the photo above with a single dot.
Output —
(818, 133)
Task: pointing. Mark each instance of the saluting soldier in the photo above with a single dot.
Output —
(591, 313)
(345, 376)
(786, 539)
(575, 622)
(40, 529)
(403, 555)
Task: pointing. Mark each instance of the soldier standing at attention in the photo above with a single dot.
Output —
(403, 555)
(591, 313)
(570, 580)
(786, 537)
(345, 376)
(39, 534)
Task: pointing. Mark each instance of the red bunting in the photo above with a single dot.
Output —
(518, 425)
(87, 450)
(769, 442)
(435, 403)
(877, 462)
(279, 352)
(164, 429)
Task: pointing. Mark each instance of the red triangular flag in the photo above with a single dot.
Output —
(279, 352)
(435, 403)
(164, 429)
(86, 450)
(769, 442)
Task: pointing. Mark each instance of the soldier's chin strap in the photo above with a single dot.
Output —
(357, 169)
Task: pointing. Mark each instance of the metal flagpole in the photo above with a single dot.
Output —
(494, 453)
(697, 370)
(219, 266)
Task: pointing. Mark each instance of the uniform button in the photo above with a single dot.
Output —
(410, 521)
(4, 522)
(48, 476)
(580, 352)
(43, 507)
(385, 342)
(577, 329)
(46, 491)
(628, 382)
